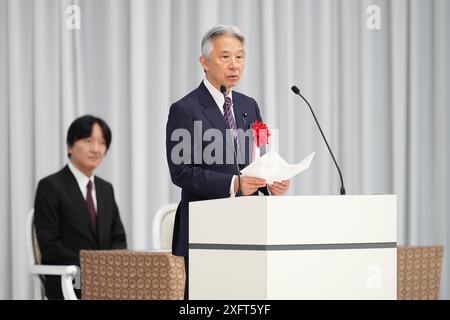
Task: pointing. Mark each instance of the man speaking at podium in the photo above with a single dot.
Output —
(213, 105)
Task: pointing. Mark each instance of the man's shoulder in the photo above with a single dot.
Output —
(54, 180)
(57, 176)
(103, 182)
(63, 176)
(190, 103)
(191, 98)
(103, 186)
(243, 98)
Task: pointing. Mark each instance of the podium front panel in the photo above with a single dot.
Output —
(300, 247)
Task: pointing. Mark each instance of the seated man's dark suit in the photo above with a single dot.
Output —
(64, 227)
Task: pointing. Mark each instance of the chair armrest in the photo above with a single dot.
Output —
(53, 270)
(67, 273)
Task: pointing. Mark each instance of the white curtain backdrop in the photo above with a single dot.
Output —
(381, 96)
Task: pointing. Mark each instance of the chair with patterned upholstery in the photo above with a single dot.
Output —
(419, 272)
(162, 231)
(38, 271)
(132, 275)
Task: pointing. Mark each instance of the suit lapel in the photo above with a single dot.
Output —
(101, 207)
(237, 110)
(74, 191)
(239, 107)
(211, 110)
(214, 115)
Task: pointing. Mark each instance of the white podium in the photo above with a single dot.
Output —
(294, 247)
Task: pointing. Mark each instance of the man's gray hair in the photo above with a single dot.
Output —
(218, 31)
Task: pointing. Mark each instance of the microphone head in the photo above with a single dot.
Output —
(223, 89)
(295, 89)
(244, 114)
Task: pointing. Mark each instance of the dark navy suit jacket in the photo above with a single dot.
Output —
(203, 181)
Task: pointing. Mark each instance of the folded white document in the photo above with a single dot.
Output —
(272, 167)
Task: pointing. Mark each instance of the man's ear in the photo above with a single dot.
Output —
(204, 63)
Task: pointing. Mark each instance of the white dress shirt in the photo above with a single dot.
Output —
(220, 101)
(82, 181)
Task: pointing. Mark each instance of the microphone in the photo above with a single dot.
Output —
(223, 89)
(297, 91)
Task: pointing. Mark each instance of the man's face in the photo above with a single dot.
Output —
(225, 63)
(88, 153)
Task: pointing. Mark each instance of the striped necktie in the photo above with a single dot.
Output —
(228, 115)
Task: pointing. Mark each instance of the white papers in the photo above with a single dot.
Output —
(272, 167)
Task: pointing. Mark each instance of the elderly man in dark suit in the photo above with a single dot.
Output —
(74, 209)
(213, 105)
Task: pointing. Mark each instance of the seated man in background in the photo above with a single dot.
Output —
(74, 209)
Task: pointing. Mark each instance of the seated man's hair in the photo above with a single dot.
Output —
(82, 128)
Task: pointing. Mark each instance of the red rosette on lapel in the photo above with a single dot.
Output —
(261, 133)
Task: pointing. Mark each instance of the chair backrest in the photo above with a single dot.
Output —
(419, 272)
(34, 255)
(33, 252)
(163, 226)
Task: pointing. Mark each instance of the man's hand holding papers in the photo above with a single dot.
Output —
(273, 168)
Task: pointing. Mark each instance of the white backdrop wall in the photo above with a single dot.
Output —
(382, 97)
